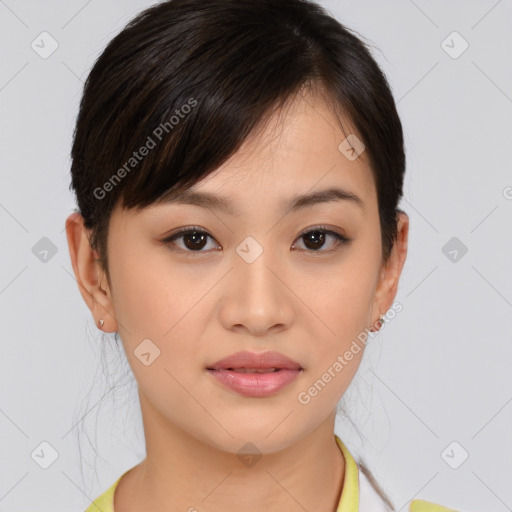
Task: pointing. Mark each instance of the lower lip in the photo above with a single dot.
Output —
(256, 384)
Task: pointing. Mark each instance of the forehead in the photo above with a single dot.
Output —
(299, 149)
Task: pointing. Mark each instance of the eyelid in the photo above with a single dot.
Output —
(326, 229)
(184, 231)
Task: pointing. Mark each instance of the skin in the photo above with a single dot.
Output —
(203, 307)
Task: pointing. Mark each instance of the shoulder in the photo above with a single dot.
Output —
(365, 494)
(105, 501)
(370, 501)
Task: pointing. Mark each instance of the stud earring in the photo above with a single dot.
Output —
(381, 322)
(101, 323)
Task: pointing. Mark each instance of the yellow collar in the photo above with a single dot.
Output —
(350, 493)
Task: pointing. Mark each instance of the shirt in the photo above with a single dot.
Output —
(358, 495)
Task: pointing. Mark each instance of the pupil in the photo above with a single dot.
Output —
(194, 236)
(311, 237)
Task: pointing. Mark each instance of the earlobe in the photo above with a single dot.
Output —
(89, 275)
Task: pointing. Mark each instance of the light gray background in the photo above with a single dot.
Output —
(438, 373)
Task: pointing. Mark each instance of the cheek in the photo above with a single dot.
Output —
(158, 301)
(340, 300)
(148, 290)
(342, 296)
(139, 298)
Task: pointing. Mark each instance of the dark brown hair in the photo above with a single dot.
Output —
(190, 80)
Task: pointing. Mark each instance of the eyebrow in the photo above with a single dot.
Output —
(299, 202)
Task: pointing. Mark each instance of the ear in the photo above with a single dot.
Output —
(91, 279)
(389, 277)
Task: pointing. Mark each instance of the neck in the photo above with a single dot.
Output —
(182, 472)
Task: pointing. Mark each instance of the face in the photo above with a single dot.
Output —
(258, 276)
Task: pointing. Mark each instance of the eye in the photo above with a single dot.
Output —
(194, 239)
(315, 239)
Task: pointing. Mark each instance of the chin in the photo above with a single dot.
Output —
(255, 441)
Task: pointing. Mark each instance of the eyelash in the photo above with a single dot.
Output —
(340, 239)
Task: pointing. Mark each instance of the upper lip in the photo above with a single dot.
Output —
(262, 360)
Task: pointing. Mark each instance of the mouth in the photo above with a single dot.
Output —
(253, 362)
(247, 370)
(255, 382)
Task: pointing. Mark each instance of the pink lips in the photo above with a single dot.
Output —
(249, 374)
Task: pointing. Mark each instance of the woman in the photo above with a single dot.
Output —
(237, 166)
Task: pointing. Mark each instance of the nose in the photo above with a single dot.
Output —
(255, 296)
